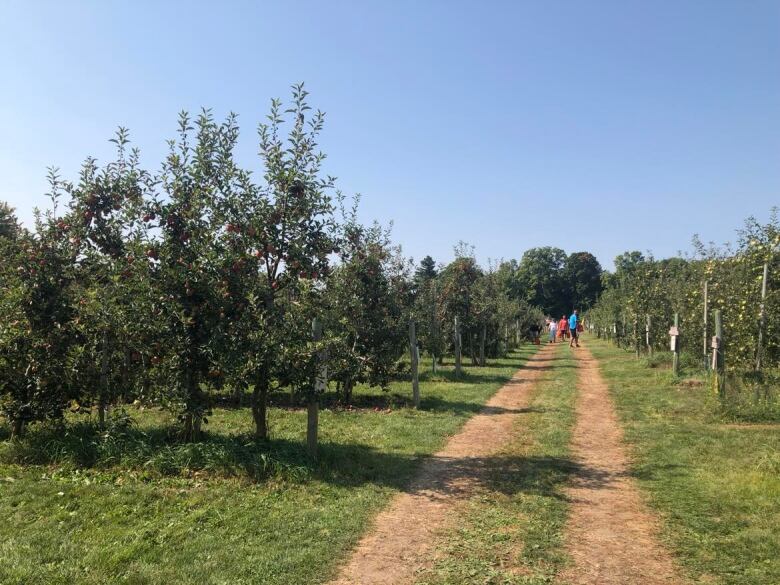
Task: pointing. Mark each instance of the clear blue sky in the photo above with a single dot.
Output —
(498, 123)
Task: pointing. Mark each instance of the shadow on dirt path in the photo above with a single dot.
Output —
(394, 548)
(611, 535)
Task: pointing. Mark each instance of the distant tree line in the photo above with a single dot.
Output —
(549, 279)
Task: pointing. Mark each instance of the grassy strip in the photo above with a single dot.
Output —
(512, 532)
(716, 486)
(136, 516)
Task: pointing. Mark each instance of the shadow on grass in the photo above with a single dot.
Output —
(383, 400)
(392, 400)
(156, 453)
(657, 471)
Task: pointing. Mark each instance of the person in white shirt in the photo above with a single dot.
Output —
(553, 326)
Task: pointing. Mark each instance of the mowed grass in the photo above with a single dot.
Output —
(716, 486)
(125, 514)
(512, 532)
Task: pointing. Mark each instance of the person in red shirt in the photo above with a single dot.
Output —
(563, 327)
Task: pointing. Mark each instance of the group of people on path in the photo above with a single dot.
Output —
(565, 329)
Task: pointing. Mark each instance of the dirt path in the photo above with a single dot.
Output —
(396, 547)
(611, 535)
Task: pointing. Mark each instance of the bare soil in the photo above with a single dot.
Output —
(611, 535)
(402, 537)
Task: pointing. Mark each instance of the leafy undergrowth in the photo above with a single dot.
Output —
(752, 396)
(749, 396)
(131, 505)
(512, 532)
(716, 486)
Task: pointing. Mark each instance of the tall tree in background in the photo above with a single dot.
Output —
(582, 277)
(542, 281)
(427, 309)
(9, 225)
(425, 272)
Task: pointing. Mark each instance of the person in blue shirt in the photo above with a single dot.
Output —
(574, 320)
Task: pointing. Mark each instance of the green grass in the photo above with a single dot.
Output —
(716, 487)
(132, 506)
(511, 533)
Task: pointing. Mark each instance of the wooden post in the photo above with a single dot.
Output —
(457, 343)
(434, 327)
(104, 368)
(762, 318)
(674, 332)
(706, 328)
(414, 354)
(718, 356)
(320, 383)
(648, 340)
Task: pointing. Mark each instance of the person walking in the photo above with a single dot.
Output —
(563, 326)
(553, 329)
(574, 321)
(536, 332)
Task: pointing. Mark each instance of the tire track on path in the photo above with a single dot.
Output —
(402, 536)
(611, 535)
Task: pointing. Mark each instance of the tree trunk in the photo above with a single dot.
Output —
(145, 382)
(320, 383)
(17, 428)
(414, 355)
(124, 374)
(238, 395)
(194, 405)
(637, 351)
(348, 385)
(472, 351)
(482, 335)
(260, 406)
(192, 427)
(458, 348)
(263, 380)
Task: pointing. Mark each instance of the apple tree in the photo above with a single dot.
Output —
(36, 324)
(276, 233)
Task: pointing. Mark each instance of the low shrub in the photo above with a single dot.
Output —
(120, 443)
(752, 396)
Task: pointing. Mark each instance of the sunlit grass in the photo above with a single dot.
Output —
(716, 486)
(149, 510)
(512, 532)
